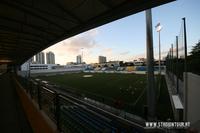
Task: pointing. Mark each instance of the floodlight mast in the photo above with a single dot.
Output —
(82, 58)
(82, 55)
(158, 29)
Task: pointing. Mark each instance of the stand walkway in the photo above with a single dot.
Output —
(12, 116)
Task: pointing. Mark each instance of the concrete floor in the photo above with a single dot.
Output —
(12, 116)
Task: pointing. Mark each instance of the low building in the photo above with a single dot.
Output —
(113, 63)
(139, 63)
(42, 66)
(71, 63)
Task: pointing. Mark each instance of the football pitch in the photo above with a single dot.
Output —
(109, 88)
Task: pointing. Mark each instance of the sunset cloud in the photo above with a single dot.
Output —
(75, 44)
(67, 50)
(125, 53)
(86, 44)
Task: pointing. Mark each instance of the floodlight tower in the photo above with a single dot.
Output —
(82, 55)
(158, 29)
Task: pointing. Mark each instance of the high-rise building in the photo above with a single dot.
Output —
(50, 58)
(102, 59)
(79, 59)
(40, 58)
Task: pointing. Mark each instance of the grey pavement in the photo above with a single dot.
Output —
(12, 116)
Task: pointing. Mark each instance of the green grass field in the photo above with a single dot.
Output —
(129, 89)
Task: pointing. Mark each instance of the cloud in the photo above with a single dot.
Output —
(93, 32)
(125, 53)
(107, 51)
(75, 44)
(67, 50)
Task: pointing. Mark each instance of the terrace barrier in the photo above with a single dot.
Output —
(70, 114)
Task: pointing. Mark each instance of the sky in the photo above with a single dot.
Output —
(125, 39)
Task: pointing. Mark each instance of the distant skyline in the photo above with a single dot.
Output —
(125, 39)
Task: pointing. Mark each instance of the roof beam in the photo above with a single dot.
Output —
(106, 3)
(39, 28)
(67, 11)
(17, 52)
(5, 45)
(14, 40)
(20, 35)
(30, 11)
(17, 44)
(6, 28)
(73, 20)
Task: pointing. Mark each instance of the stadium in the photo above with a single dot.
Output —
(99, 66)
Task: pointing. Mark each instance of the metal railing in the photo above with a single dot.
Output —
(176, 61)
(72, 114)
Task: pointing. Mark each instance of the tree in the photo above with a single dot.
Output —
(193, 61)
(196, 49)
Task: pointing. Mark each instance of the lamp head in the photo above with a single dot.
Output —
(158, 27)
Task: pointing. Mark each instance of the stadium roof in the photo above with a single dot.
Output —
(29, 26)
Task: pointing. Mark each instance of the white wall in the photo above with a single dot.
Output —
(55, 70)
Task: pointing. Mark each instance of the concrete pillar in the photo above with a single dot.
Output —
(151, 91)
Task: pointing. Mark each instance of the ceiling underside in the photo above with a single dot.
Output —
(29, 26)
